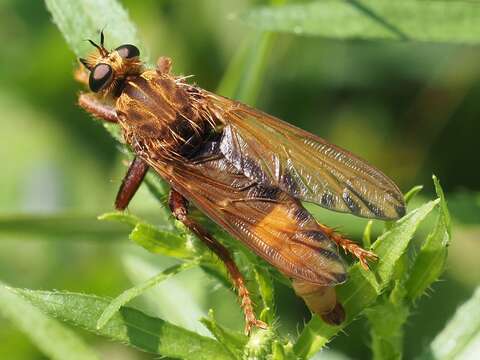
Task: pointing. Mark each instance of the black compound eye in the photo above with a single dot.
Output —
(128, 51)
(100, 77)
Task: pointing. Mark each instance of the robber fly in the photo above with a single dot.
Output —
(246, 170)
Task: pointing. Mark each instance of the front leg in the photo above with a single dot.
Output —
(178, 205)
(131, 182)
(98, 109)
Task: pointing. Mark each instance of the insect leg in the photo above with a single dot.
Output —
(132, 180)
(81, 75)
(97, 108)
(178, 205)
(350, 246)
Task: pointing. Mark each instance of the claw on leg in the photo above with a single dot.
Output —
(246, 303)
(249, 325)
(364, 256)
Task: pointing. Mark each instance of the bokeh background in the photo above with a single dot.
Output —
(411, 109)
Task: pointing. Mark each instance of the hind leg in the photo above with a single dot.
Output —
(178, 206)
(351, 247)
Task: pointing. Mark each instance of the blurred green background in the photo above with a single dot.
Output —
(411, 109)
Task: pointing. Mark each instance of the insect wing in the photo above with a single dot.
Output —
(273, 152)
(269, 221)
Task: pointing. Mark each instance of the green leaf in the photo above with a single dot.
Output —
(129, 326)
(233, 342)
(430, 262)
(391, 245)
(425, 20)
(412, 193)
(362, 288)
(367, 235)
(445, 214)
(168, 243)
(138, 290)
(178, 243)
(51, 337)
(158, 240)
(386, 320)
(388, 316)
(461, 336)
(122, 217)
(83, 19)
(61, 226)
(175, 300)
(264, 282)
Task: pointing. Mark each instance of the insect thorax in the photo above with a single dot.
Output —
(161, 117)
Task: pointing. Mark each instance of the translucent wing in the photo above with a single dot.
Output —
(268, 220)
(275, 153)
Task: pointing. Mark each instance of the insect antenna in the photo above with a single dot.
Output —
(101, 49)
(94, 44)
(102, 39)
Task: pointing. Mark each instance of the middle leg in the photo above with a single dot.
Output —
(131, 182)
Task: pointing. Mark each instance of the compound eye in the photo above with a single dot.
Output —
(128, 51)
(100, 77)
